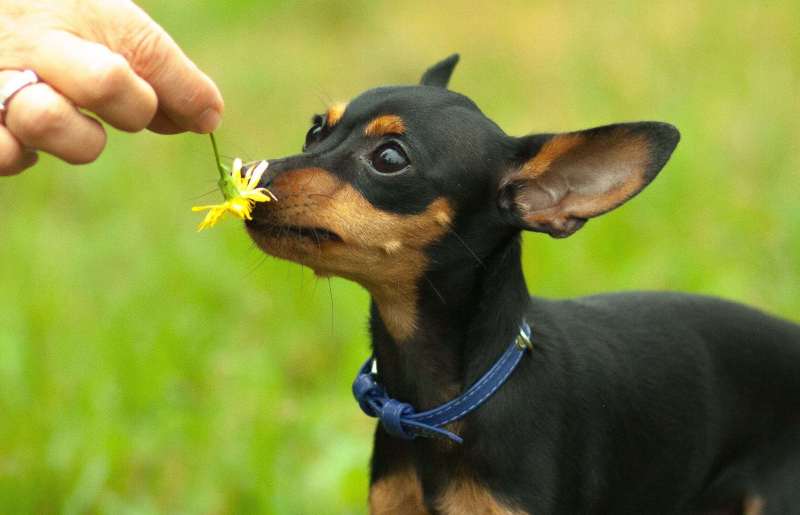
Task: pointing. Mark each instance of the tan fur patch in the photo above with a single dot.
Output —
(753, 505)
(335, 113)
(399, 494)
(382, 251)
(386, 124)
(444, 218)
(392, 247)
(469, 497)
(550, 151)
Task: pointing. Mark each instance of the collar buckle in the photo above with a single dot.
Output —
(524, 338)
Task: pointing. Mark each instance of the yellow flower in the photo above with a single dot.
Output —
(241, 194)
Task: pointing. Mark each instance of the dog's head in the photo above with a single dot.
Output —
(406, 180)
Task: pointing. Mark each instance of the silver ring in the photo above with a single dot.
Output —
(18, 82)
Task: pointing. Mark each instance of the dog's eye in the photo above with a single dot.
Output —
(314, 134)
(389, 158)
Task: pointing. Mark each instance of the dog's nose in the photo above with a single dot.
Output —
(276, 167)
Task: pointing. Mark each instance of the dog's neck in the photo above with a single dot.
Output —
(467, 316)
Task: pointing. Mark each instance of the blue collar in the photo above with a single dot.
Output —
(401, 419)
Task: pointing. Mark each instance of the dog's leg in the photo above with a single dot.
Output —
(399, 493)
(468, 497)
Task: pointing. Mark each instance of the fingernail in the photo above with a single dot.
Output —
(209, 120)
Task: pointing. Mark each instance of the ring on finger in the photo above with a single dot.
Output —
(16, 83)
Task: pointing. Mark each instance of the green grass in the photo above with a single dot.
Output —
(145, 368)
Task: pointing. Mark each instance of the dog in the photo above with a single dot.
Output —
(628, 403)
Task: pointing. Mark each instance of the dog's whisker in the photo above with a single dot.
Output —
(464, 243)
(255, 267)
(333, 312)
(211, 192)
(435, 290)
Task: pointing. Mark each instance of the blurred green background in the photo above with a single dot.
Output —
(145, 368)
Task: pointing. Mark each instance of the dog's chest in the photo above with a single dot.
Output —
(402, 493)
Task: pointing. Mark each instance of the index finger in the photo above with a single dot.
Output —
(186, 95)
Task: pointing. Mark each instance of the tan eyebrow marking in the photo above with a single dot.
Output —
(335, 113)
(386, 124)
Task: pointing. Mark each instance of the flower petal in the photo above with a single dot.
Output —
(203, 208)
(255, 196)
(264, 191)
(236, 173)
(212, 217)
(255, 178)
(240, 207)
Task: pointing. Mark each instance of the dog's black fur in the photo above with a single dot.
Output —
(636, 403)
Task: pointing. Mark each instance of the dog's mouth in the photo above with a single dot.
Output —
(316, 234)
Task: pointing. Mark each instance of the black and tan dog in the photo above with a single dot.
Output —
(636, 403)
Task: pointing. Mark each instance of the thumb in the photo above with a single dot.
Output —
(186, 96)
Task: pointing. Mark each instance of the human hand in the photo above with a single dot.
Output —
(103, 56)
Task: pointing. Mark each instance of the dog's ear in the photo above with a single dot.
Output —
(439, 74)
(561, 180)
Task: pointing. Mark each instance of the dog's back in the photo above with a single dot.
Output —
(669, 396)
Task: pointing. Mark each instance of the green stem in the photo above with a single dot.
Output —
(220, 168)
(225, 182)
